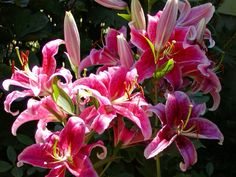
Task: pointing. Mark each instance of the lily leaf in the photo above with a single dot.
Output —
(61, 98)
(4, 166)
(164, 69)
(124, 16)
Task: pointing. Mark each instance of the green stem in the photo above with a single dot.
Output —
(158, 166)
(116, 150)
(106, 167)
(158, 162)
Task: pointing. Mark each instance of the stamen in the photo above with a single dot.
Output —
(188, 116)
(169, 49)
(190, 129)
(85, 72)
(139, 87)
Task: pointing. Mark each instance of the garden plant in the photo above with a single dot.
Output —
(139, 96)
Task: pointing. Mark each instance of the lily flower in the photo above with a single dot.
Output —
(115, 98)
(197, 17)
(190, 61)
(113, 4)
(191, 16)
(181, 120)
(63, 150)
(72, 41)
(38, 81)
(44, 110)
(137, 15)
(116, 52)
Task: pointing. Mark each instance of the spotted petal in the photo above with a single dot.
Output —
(205, 129)
(188, 152)
(164, 138)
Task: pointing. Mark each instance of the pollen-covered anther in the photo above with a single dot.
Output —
(169, 48)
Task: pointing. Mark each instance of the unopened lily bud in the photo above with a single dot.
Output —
(137, 15)
(113, 4)
(72, 39)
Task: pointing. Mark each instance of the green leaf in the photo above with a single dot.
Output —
(125, 16)
(198, 144)
(21, 3)
(200, 98)
(24, 139)
(164, 69)
(26, 22)
(4, 166)
(209, 168)
(11, 154)
(61, 98)
(17, 172)
(31, 171)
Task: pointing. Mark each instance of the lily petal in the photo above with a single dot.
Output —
(204, 128)
(72, 136)
(188, 152)
(145, 65)
(177, 108)
(12, 97)
(166, 24)
(164, 138)
(81, 166)
(159, 110)
(36, 155)
(139, 39)
(57, 172)
(191, 16)
(137, 116)
(124, 52)
(49, 51)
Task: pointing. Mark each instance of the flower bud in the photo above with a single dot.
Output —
(137, 15)
(114, 4)
(72, 39)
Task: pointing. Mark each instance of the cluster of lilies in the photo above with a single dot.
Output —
(152, 72)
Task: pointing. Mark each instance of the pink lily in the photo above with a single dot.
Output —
(114, 4)
(116, 52)
(44, 110)
(38, 81)
(191, 16)
(181, 119)
(115, 98)
(196, 17)
(72, 41)
(190, 62)
(63, 150)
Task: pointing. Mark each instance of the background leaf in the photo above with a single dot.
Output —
(4, 166)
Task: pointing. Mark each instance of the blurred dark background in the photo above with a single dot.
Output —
(29, 24)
